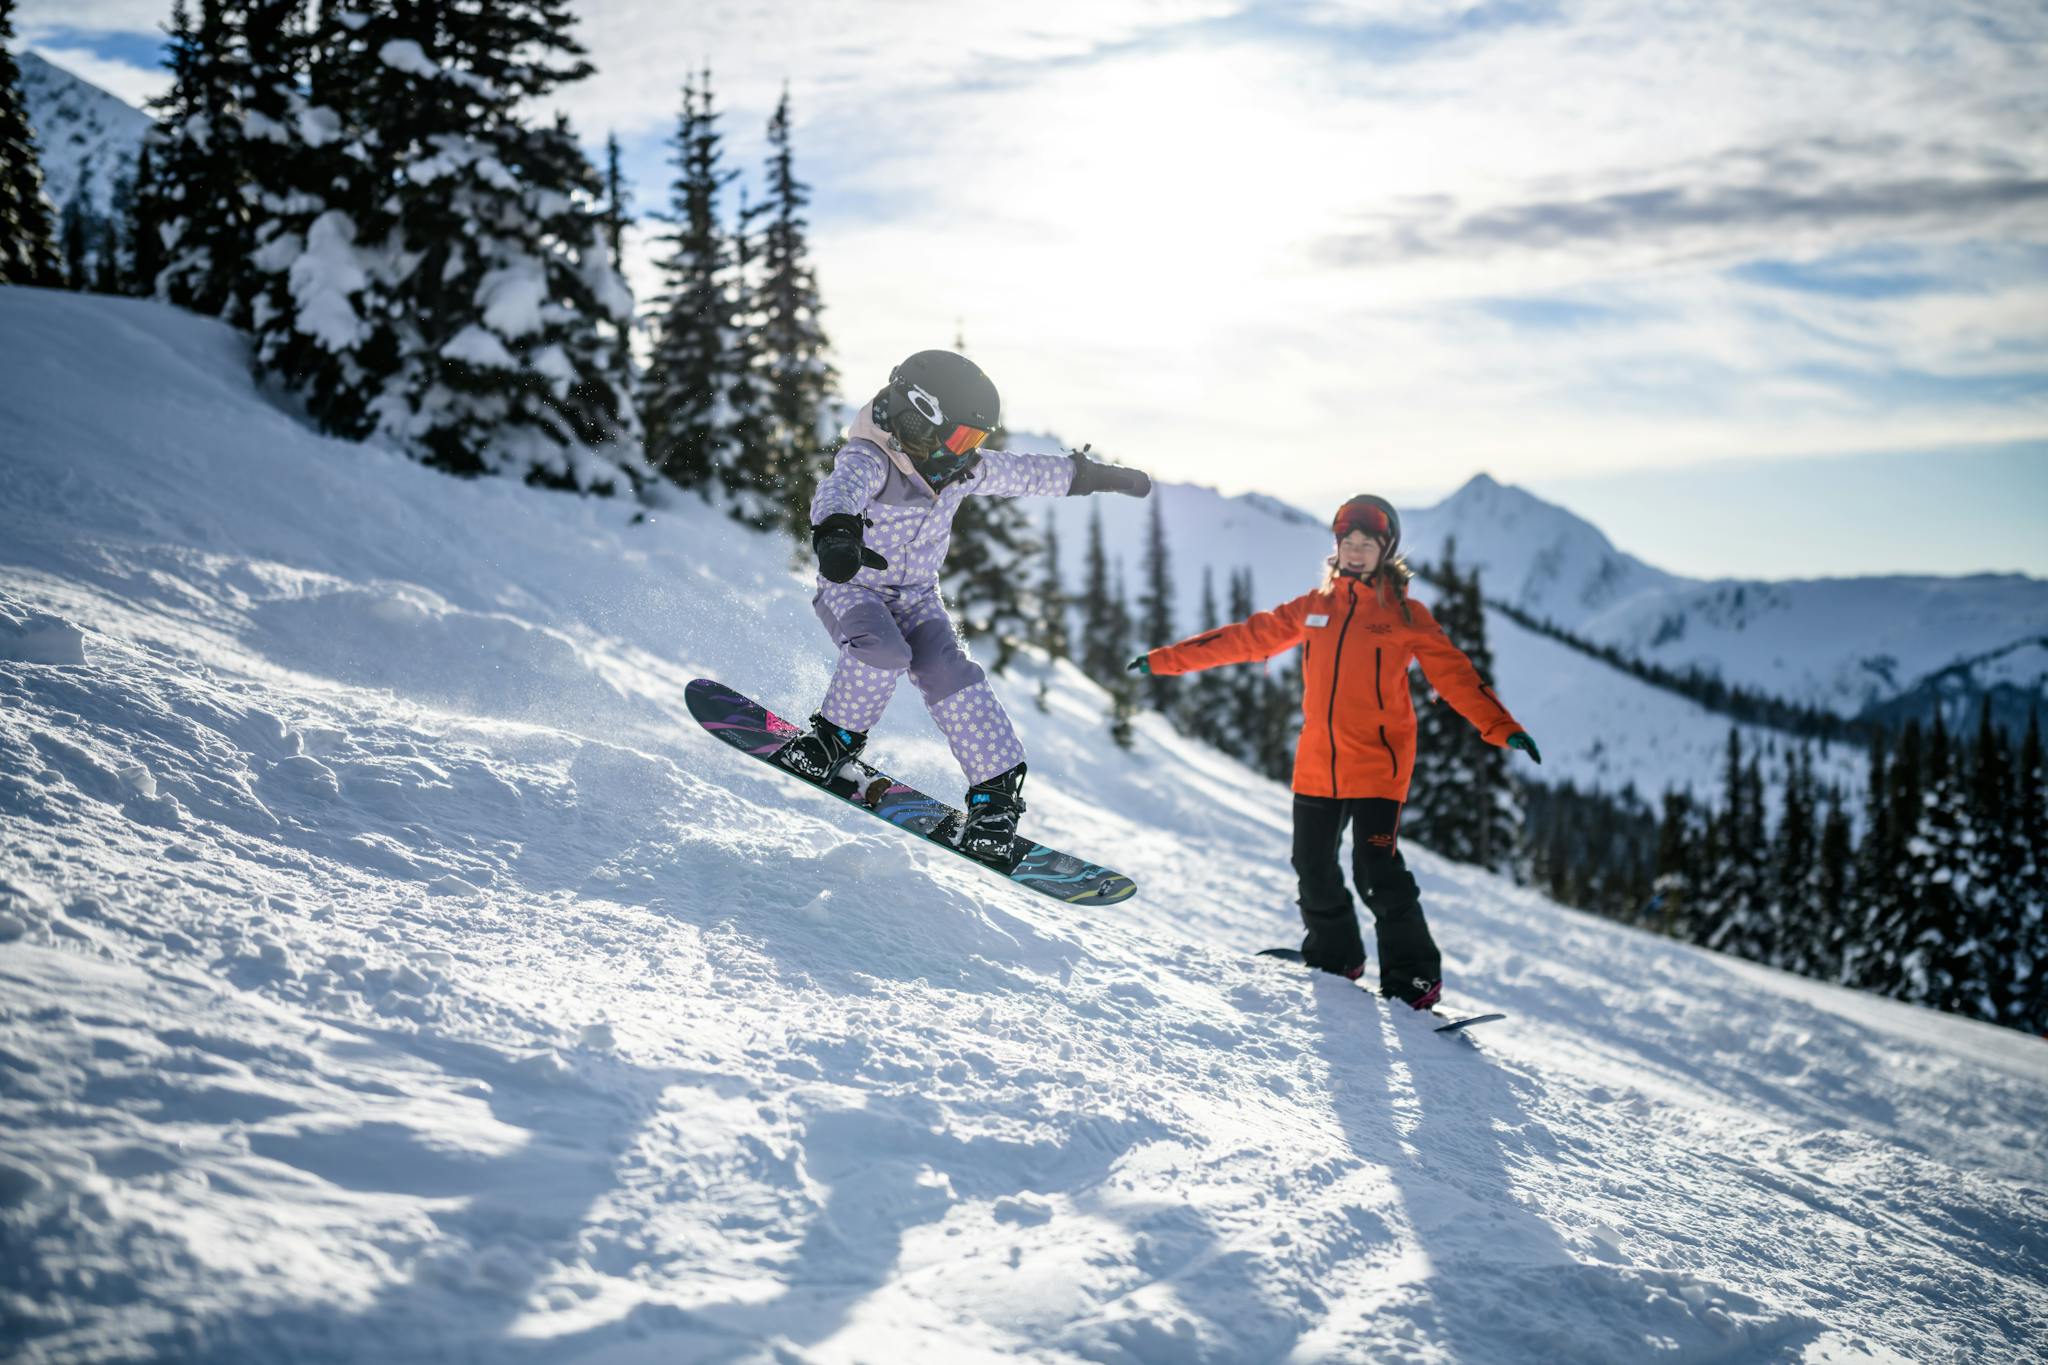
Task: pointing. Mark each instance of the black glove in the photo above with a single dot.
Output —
(841, 555)
(1091, 477)
(1141, 664)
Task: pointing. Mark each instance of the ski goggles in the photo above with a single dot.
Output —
(1364, 516)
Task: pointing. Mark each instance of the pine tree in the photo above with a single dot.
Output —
(1244, 724)
(1206, 699)
(1123, 690)
(318, 284)
(1462, 801)
(1895, 966)
(794, 353)
(1155, 606)
(1988, 873)
(507, 317)
(206, 225)
(1944, 937)
(2025, 977)
(1676, 872)
(985, 579)
(28, 245)
(1101, 657)
(618, 205)
(684, 403)
(1831, 901)
(1053, 636)
(144, 229)
(75, 232)
(1788, 900)
(1280, 717)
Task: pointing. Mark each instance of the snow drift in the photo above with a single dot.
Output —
(390, 970)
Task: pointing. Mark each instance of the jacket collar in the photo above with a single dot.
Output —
(866, 428)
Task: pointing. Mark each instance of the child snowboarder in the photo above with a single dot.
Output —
(1358, 632)
(881, 524)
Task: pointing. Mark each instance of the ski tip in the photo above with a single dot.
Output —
(1284, 954)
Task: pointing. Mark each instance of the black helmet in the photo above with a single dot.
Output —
(1373, 515)
(940, 406)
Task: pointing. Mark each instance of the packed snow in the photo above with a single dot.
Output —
(393, 971)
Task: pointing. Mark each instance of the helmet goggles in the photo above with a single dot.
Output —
(1362, 515)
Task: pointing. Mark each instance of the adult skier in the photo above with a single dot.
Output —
(882, 521)
(1358, 631)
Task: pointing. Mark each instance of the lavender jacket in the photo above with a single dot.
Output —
(913, 526)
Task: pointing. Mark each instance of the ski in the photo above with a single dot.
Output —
(1450, 1025)
(753, 729)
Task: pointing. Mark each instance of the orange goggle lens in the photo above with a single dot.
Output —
(962, 439)
(1368, 519)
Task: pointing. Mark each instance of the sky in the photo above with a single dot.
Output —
(1646, 257)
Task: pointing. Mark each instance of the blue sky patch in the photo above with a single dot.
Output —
(1551, 315)
(142, 50)
(1853, 276)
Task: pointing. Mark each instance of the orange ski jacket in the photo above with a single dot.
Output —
(1358, 724)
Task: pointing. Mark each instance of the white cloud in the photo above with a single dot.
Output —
(1133, 209)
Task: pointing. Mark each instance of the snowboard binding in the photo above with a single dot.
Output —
(993, 805)
(818, 754)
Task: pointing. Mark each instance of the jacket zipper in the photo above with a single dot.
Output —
(1377, 690)
(1336, 663)
(1392, 757)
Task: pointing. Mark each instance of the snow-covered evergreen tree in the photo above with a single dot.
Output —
(1462, 800)
(1733, 904)
(793, 351)
(28, 244)
(2026, 907)
(201, 162)
(685, 390)
(319, 284)
(1893, 885)
(985, 577)
(507, 309)
(1675, 884)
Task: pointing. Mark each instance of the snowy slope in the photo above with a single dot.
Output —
(1600, 728)
(392, 972)
(84, 135)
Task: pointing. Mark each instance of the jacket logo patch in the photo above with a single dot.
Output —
(1316, 621)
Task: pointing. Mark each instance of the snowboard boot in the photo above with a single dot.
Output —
(819, 753)
(1423, 995)
(993, 806)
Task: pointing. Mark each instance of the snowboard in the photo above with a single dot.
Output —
(1449, 1025)
(752, 728)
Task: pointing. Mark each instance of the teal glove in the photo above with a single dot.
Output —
(1520, 740)
(1141, 664)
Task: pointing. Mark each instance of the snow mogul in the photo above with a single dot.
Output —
(882, 521)
(1358, 631)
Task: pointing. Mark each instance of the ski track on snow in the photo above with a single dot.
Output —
(391, 970)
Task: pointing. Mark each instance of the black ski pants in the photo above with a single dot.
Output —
(1407, 952)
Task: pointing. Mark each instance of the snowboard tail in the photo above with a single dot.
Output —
(1450, 1025)
(752, 728)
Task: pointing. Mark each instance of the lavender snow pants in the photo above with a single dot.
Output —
(883, 633)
